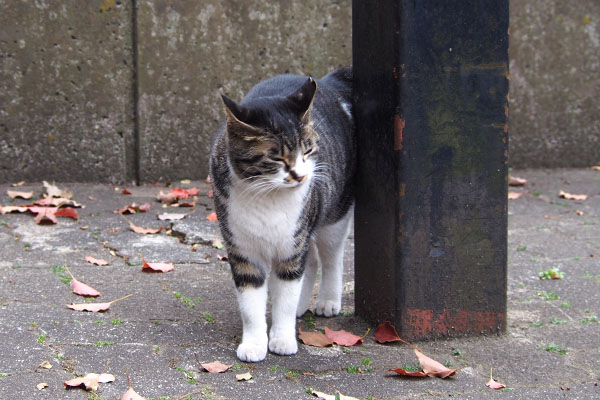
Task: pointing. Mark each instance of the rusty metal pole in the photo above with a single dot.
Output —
(431, 108)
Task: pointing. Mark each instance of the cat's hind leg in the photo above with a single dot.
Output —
(331, 240)
(308, 280)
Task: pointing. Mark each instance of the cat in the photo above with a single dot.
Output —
(282, 169)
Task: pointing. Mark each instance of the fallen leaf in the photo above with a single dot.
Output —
(343, 338)
(244, 377)
(97, 261)
(132, 395)
(95, 307)
(90, 381)
(57, 202)
(54, 191)
(125, 191)
(185, 181)
(157, 267)
(171, 216)
(222, 258)
(326, 396)
(492, 384)
(68, 212)
(217, 244)
(434, 368)
(570, 196)
(21, 183)
(139, 229)
(23, 195)
(596, 168)
(400, 371)
(166, 198)
(316, 339)
(134, 208)
(212, 216)
(44, 214)
(514, 195)
(184, 204)
(579, 212)
(46, 364)
(10, 209)
(41, 386)
(514, 181)
(386, 333)
(216, 367)
(81, 288)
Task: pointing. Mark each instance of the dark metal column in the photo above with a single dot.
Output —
(430, 93)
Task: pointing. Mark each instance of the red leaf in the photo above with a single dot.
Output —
(166, 198)
(434, 368)
(95, 307)
(386, 332)
(400, 371)
(216, 367)
(343, 338)
(68, 212)
(97, 261)
(316, 339)
(212, 216)
(132, 395)
(157, 267)
(492, 384)
(180, 193)
(125, 191)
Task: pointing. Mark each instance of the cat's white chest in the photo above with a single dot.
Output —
(263, 227)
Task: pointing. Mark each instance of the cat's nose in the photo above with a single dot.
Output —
(296, 177)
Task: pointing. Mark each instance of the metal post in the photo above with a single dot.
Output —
(431, 108)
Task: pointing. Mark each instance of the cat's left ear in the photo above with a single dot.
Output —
(303, 97)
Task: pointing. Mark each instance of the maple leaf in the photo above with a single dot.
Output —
(212, 216)
(216, 367)
(95, 307)
(23, 195)
(44, 214)
(81, 288)
(570, 196)
(316, 339)
(343, 338)
(90, 381)
(386, 333)
(492, 384)
(97, 261)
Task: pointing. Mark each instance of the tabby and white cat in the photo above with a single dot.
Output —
(282, 171)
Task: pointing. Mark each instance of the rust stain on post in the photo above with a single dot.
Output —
(399, 124)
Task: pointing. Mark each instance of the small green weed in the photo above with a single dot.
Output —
(548, 296)
(274, 368)
(456, 353)
(100, 322)
(292, 373)
(587, 320)
(59, 271)
(522, 248)
(42, 339)
(411, 367)
(309, 320)
(556, 321)
(537, 324)
(208, 318)
(116, 321)
(103, 343)
(554, 348)
(593, 276)
(565, 304)
(3, 374)
(552, 273)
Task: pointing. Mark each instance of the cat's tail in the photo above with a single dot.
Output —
(341, 81)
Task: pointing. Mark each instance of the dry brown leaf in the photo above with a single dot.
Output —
(492, 384)
(139, 229)
(326, 396)
(132, 395)
(434, 368)
(10, 209)
(514, 181)
(54, 191)
(386, 333)
(157, 267)
(171, 216)
(133, 208)
(90, 381)
(57, 202)
(596, 168)
(244, 377)
(216, 367)
(41, 386)
(514, 195)
(97, 261)
(125, 191)
(343, 338)
(95, 307)
(23, 195)
(570, 196)
(46, 365)
(316, 339)
(21, 183)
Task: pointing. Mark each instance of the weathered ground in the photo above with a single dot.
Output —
(175, 320)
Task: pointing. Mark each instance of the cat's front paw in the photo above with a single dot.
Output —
(283, 345)
(328, 308)
(252, 352)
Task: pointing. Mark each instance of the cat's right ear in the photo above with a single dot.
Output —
(236, 111)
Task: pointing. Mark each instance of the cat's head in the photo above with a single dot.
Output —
(271, 141)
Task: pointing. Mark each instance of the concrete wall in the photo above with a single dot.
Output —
(96, 90)
(554, 83)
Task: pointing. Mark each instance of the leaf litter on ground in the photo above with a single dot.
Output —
(81, 288)
(492, 384)
(95, 307)
(90, 381)
(216, 367)
(96, 261)
(130, 394)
